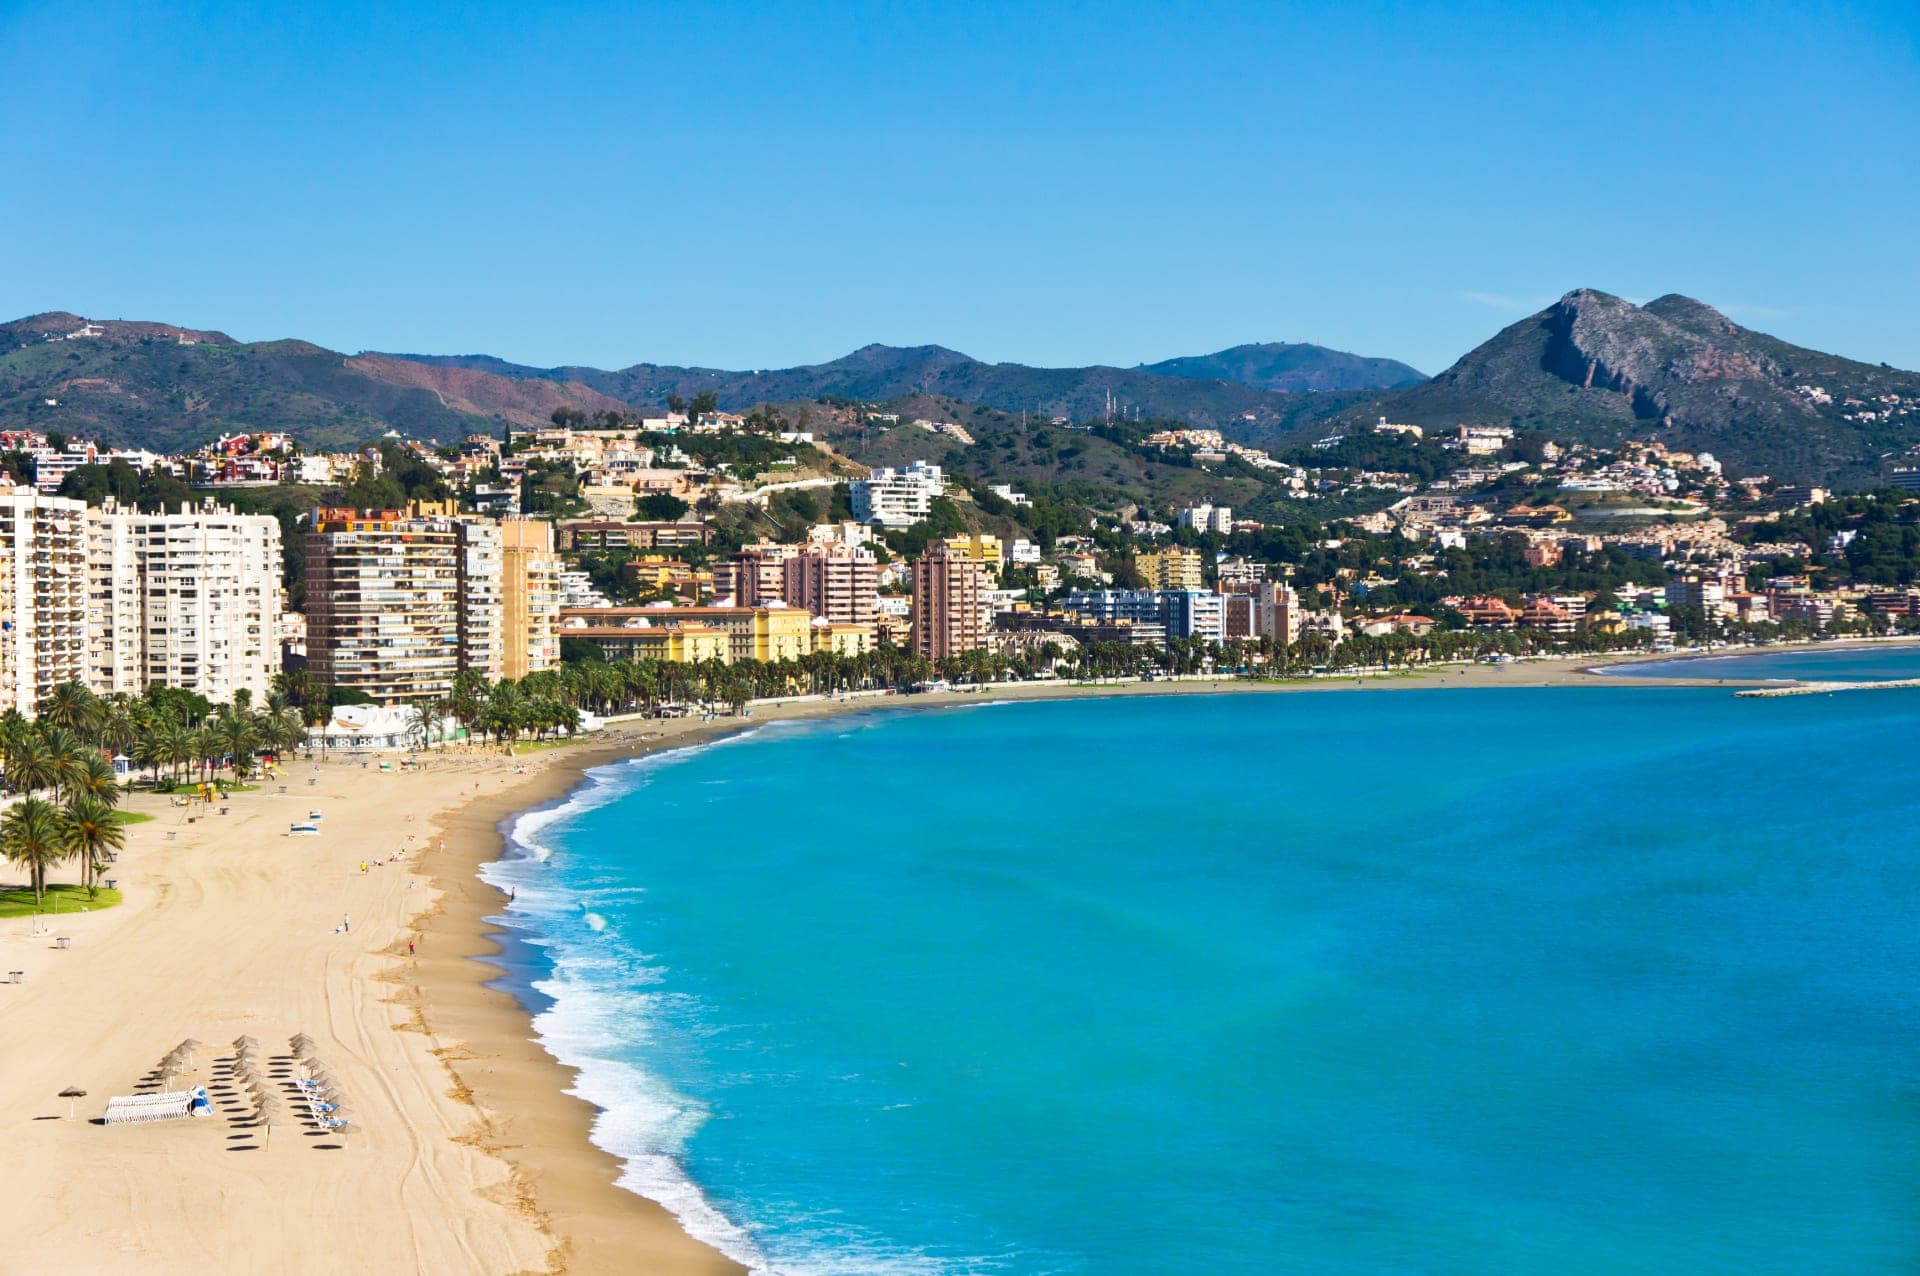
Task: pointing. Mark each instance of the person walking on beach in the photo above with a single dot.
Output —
(409, 948)
(346, 923)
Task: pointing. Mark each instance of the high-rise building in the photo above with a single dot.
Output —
(190, 599)
(949, 604)
(43, 596)
(209, 584)
(116, 610)
(756, 575)
(384, 603)
(1277, 613)
(482, 597)
(530, 596)
(835, 582)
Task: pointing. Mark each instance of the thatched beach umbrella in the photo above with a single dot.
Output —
(71, 1093)
(270, 1111)
(187, 1048)
(301, 1043)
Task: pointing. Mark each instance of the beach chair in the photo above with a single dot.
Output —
(168, 1105)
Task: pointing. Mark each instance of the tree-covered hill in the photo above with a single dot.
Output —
(1291, 367)
(1598, 368)
(168, 388)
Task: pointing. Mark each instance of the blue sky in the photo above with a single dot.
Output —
(756, 186)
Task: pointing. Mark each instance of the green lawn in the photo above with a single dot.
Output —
(131, 817)
(536, 746)
(61, 898)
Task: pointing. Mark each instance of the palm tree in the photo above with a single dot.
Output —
(88, 829)
(206, 747)
(119, 727)
(94, 777)
(233, 733)
(31, 836)
(72, 707)
(65, 750)
(282, 730)
(31, 765)
(420, 719)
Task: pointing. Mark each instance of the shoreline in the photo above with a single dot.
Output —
(530, 1119)
(474, 1156)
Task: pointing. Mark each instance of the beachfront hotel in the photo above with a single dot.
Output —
(117, 599)
(949, 604)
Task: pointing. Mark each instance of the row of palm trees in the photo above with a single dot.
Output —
(63, 762)
(163, 731)
(37, 833)
(549, 702)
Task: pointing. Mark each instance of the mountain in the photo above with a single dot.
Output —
(1589, 367)
(169, 388)
(880, 373)
(1294, 368)
(1595, 367)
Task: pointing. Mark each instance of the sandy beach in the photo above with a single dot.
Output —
(468, 1155)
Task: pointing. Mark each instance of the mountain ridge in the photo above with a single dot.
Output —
(882, 372)
(1590, 367)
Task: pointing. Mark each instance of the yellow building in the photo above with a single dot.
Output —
(752, 633)
(530, 596)
(981, 548)
(842, 638)
(1172, 569)
(673, 642)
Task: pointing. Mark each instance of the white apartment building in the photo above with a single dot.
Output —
(43, 596)
(210, 600)
(852, 535)
(482, 595)
(190, 599)
(50, 468)
(897, 497)
(116, 625)
(1207, 518)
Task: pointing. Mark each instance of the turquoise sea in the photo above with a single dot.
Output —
(1810, 664)
(1592, 980)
